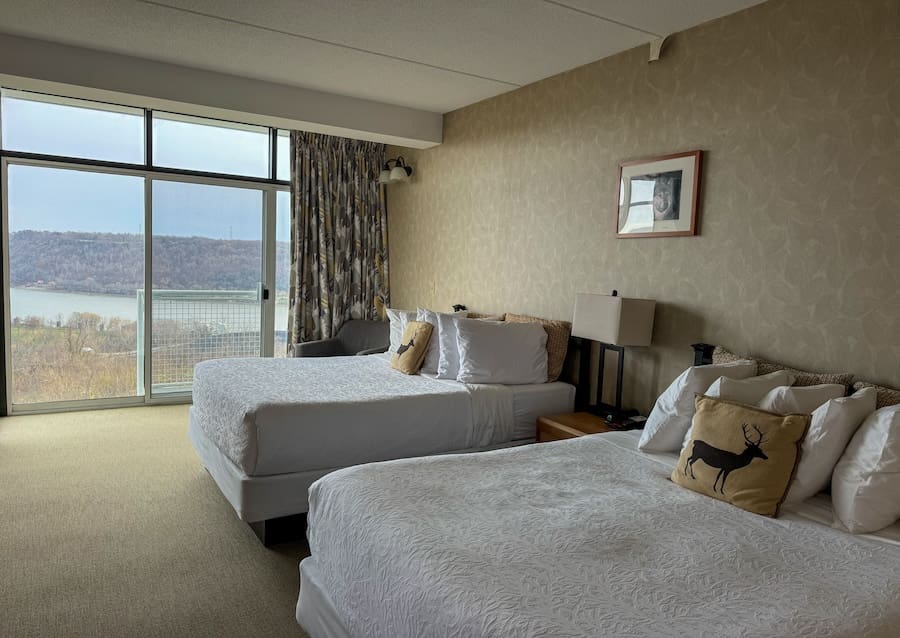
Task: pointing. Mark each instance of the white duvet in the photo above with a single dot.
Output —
(581, 538)
(276, 416)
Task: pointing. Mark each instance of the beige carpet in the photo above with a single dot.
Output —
(109, 526)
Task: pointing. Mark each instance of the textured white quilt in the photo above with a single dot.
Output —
(275, 416)
(581, 538)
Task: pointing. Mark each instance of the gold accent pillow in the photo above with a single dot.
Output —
(557, 341)
(741, 455)
(413, 345)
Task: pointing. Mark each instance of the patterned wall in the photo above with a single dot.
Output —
(797, 105)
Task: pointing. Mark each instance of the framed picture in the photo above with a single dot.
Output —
(658, 196)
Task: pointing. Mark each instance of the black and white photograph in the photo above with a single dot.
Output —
(658, 196)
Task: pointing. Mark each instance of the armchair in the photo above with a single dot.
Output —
(356, 337)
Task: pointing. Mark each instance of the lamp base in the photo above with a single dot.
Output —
(612, 415)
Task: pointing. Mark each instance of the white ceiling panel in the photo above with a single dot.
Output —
(158, 33)
(512, 41)
(662, 17)
(434, 55)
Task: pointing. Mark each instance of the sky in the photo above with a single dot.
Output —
(42, 198)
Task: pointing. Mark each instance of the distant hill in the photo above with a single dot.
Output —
(110, 263)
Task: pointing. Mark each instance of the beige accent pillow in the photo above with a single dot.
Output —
(413, 346)
(802, 377)
(557, 341)
(481, 315)
(886, 396)
(741, 455)
(721, 355)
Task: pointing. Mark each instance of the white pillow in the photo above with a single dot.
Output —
(801, 400)
(671, 417)
(398, 319)
(833, 425)
(865, 486)
(432, 354)
(501, 352)
(448, 348)
(747, 391)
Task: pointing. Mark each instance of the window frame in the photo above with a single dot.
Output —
(147, 164)
(270, 186)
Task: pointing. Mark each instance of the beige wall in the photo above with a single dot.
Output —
(797, 106)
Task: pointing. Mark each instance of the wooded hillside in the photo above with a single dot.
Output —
(114, 263)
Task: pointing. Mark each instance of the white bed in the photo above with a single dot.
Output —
(583, 537)
(267, 428)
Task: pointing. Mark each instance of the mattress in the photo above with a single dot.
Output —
(533, 401)
(279, 416)
(581, 537)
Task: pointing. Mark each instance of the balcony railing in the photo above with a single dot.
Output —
(190, 326)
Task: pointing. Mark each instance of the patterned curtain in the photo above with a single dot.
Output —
(339, 235)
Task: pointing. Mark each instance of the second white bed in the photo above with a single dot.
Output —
(266, 429)
(584, 537)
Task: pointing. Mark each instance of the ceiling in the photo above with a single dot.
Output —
(433, 55)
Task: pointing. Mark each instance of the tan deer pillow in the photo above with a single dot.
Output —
(741, 455)
(413, 346)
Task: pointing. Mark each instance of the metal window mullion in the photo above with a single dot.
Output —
(273, 153)
(147, 363)
(267, 318)
(7, 316)
(148, 139)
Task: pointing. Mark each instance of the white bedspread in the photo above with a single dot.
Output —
(581, 538)
(276, 416)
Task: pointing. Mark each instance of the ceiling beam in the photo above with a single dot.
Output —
(39, 65)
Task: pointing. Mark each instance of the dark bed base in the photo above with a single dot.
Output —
(285, 529)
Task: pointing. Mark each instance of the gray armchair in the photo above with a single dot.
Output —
(356, 337)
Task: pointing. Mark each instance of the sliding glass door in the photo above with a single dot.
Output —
(76, 270)
(207, 278)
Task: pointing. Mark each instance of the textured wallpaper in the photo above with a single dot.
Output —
(796, 104)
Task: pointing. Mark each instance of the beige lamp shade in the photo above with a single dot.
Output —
(614, 320)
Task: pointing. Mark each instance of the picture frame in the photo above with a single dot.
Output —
(659, 196)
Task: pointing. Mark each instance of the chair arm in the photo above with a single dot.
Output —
(322, 348)
(378, 350)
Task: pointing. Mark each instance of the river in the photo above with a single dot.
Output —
(51, 305)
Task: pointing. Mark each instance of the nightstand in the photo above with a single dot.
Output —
(569, 426)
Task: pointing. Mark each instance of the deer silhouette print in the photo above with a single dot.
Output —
(405, 346)
(725, 461)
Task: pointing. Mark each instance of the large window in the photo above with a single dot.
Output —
(139, 243)
(76, 264)
(210, 146)
(49, 125)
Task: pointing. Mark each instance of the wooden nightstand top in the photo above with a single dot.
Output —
(569, 426)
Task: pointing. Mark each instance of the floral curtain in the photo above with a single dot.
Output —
(339, 235)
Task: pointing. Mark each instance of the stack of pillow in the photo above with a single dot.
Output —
(780, 437)
(517, 350)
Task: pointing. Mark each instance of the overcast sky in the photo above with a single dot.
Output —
(43, 198)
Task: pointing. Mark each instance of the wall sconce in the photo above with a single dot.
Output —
(399, 173)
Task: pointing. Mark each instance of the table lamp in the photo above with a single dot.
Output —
(615, 322)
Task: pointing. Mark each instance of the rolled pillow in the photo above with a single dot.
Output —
(833, 426)
(794, 400)
(501, 352)
(866, 480)
(671, 416)
(748, 391)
